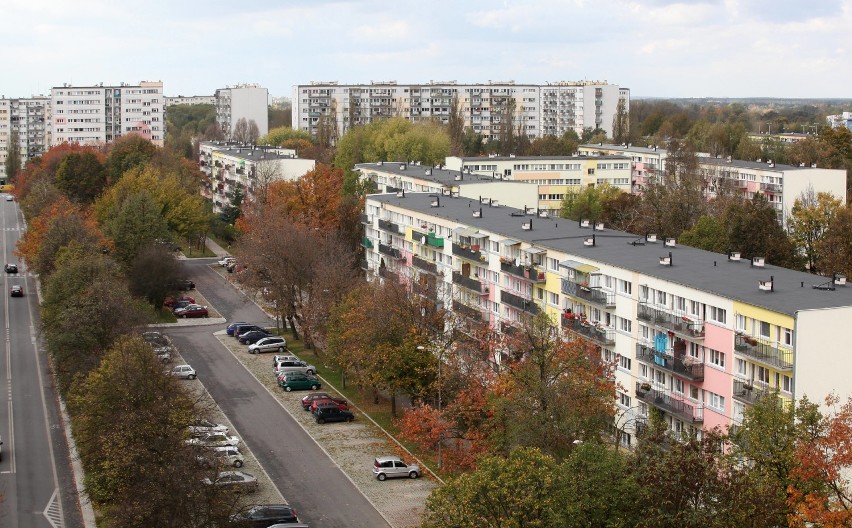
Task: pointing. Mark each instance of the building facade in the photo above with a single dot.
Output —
(248, 101)
(190, 100)
(30, 118)
(91, 115)
(489, 109)
(840, 120)
(696, 335)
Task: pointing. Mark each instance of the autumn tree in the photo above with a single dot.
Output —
(280, 137)
(621, 123)
(153, 273)
(834, 250)
(455, 127)
(253, 132)
(13, 156)
(240, 131)
(128, 152)
(312, 200)
(134, 223)
(588, 203)
(754, 230)
(810, 217)
(81, 177)
(708, 233)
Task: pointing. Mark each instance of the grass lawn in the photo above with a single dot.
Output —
(197, 253)
(164, 315)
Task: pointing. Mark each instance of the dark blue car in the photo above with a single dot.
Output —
(250, 338)
(230, 329)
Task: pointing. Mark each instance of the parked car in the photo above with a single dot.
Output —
(222, 456)
(193, 310)
(214, 440)
(172, 301)
(250, 338)
(268, 344)
(177, 305)
(264, 515)
(339, 402)
(331, 412)
(230, 328)
(161, 345)
(308, 400)
(393, 467)
(295, 366)
(238, 481)
(231, 267)
(278, 358)
(184, 372)
(10, 198)
(11, 268)
(16, 291)
(203, 426)
(298, 381)
(183, 285)
(226, 260)
(247, 327)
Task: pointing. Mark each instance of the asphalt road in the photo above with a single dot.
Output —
(35, 478)
(319, 491)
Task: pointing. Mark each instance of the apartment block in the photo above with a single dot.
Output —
(229, 166)
(30, 118)
(840, 120)
(538, 110)
(781, 184)
(190, 100)
(698, 336)
(91, 115)
(248, 101)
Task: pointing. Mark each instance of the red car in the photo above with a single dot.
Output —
(193, 310)
(323, 397)
(171, 301)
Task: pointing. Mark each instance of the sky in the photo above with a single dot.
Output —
(657, 48)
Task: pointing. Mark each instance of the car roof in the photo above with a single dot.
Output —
(389, 459)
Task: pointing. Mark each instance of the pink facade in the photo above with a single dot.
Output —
(718, 379)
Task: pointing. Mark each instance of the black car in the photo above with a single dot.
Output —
(183, 285)
(11, 268)
(242, 329)
(331, 412)
(264, 515)
(180, 304)
(253, 336)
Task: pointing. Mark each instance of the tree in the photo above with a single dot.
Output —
(708, 233)
(253, 132)
(136, 221)
(810, 217)
(747, 149)
(232, 212)
(81, 177)
(278, 137)
(834, 250)
(240, 132)
(128, 152)
(327, 131)
(621, 123)
(520, 490)
(266, 171)
(455, 127)
(312, 200)
(13, 156)
(153, 273)
(588, 203)
(754, 230)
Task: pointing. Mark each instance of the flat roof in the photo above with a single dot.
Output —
(743, 164)
(625, 148)
(694, 268)
(248, 154)
(444, 177)
(541, 158)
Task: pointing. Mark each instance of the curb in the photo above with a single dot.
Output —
(190, 322)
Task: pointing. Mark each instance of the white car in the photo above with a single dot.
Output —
(225, 456)
(393, 467)
(227, 260)
(184, 372)
(294, 366)
(203, 426)
(268, 344)
(10, 198)
(214, 440)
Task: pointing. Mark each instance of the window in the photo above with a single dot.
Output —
(643, 370)
(764, 329)
(786, 384)
(740, 367)
(624, 399)
(761, 374)
(553, 298)
(715, 401)
(694, 392)
(643, 293)
(718, 314)
(624, 363)
(626, 325)
(717, 358)
(678, 386)
(787, 337)
(661, 298)
(625, 287)
(740, 322)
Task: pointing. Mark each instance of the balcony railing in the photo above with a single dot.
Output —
(467, 311)
(688, 327)
(601, 336)
(750, 391)
(434, 241)
(519, 302)
(529, 273)
(467, 252)
(469, 283)
(668, 403)
(591, 294)
(779, 358)
(390, 251)
(681, 366)
(366, 219)
(364, 264)
(387, 225)
(387, 274)
(367, 243)
(423, 264)
(770, 187)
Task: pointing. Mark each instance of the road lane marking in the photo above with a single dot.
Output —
(53, 511)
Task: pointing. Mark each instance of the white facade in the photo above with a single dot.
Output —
(540, 110)
(248, 101)
(840, 120)
(30, 118)
(101, 114)
(190, 100)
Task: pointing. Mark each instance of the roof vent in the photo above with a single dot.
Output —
(638, 242)
(599, 226)
(380, 163)
(651, 237)
(494, 203)
(666, 261)
(402, 166)
(584, 223)
(839, 279)
(478, 214)
(758, 262)
(543, 214)
(670, 242)
(527, 226)
(589, 241)
(400, 193)
(458, 177)
(428, 172)
(767, 285)
(734, 256)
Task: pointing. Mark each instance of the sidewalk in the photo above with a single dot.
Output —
(216, 248)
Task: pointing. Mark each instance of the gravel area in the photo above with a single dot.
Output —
(352, 446)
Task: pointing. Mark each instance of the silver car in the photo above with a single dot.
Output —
(203, 426)
(392, 467)
(184, 372)
(224, 456)
(234, 480)
(294, 366)
(214, 440)
(268, 344)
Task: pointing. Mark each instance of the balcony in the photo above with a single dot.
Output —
(387, 274)
(467, 311)
(425, 265)
(593, 295)
(365, 265)
(668, 403)
(468, 252)
(384, 249)
(434, 241)
(750, 391)
(780, 358)
(687, 327)
(520, 303)
(528, 273)
(585, 329)
(676, 365)
(469, 283)
(367, 243)
(770, 187)
(426, 288)
(387, 225)
(366, 219)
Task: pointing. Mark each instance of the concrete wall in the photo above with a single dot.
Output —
(823, 353)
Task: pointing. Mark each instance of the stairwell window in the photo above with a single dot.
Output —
(715, 401)
(717, 358)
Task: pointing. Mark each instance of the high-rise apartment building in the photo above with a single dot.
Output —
(30, 118)
(248, 101)
(490, 109)
(102, 114)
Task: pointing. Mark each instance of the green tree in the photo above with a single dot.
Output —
(518, 491)
(708, 233)
(153, 273)
(810, 217)
(13, 156)
(621, 123)
(455, 127)
(135, 222)
(589, 202)
(81, 177)
(278, 137)
(748, 150)
(754, 230)
(834, 249)
(128, 152)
